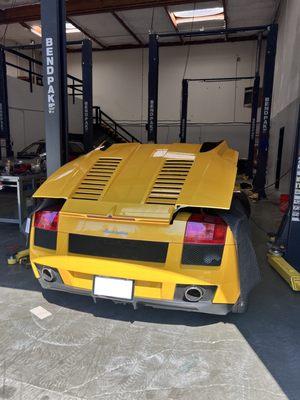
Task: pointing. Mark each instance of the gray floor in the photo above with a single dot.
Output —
(108, 351)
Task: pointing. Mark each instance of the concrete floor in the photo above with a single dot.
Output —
(108, 351)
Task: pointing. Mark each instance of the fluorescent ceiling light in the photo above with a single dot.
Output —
(198, 15)
(70, 28)
(37, 30)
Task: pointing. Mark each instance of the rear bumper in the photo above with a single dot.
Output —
(206, 307)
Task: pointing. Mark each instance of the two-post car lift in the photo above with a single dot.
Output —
(271, 33)
(284, 255)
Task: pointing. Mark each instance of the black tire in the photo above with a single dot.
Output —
(240, 306)
(243, 199)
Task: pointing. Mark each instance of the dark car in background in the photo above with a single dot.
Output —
(33, 157)
(38, 149)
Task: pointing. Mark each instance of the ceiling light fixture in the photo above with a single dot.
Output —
(37, 30)
(70, 28)
(198, 15)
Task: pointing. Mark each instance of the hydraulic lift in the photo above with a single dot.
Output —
(270, 31)
(23, 186)
(185, 97)
(53, 19)
(4, 111)
(254, 104)
(76, 87)
(247, 165)
(284, 255)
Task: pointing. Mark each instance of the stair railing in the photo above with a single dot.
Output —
(101, 118)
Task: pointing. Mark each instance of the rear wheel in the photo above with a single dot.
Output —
(240, 306)
(243, 199)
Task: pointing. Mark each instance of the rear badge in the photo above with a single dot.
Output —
(111, 232)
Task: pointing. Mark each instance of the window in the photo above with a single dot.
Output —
(30, 151)
(70, 28)
(198, 15)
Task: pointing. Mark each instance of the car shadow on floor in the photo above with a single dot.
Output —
(125, 312)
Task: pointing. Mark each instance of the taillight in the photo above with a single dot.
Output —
(205, 229)
(47, 219)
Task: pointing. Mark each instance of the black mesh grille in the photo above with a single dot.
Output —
(139, 250)
(196, 254)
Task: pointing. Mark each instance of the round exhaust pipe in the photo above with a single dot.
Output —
(193, 294)
(48, 275)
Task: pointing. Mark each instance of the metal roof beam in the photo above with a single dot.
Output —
(173, 22)
(26, 26)
(86, 33)
(224, 3)
(83, 7)
(126, 27)
(172, 44)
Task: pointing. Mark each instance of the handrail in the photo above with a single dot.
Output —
(34, 61)
(77, 89)
(117, 133)
(23, 69)
(115, 125)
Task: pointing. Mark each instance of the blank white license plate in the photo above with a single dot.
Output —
(113, 287)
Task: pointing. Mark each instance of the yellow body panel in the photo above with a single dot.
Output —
(123, 211)
(164, 276)
(210, 182)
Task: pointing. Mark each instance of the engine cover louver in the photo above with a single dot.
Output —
(96, 179)
(169, 182)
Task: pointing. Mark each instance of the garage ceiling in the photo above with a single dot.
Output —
(125, 24)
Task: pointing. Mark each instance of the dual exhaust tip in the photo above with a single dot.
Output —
(193, 294)
(48, 274)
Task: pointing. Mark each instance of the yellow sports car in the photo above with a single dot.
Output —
(143, 224)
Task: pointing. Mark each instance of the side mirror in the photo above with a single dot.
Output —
(43, 155)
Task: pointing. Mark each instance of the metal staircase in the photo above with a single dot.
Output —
(105, 128)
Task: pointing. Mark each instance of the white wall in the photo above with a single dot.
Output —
(26, 113)
(287, 71)
(215, 109)
(120, 86)
(286, 94)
